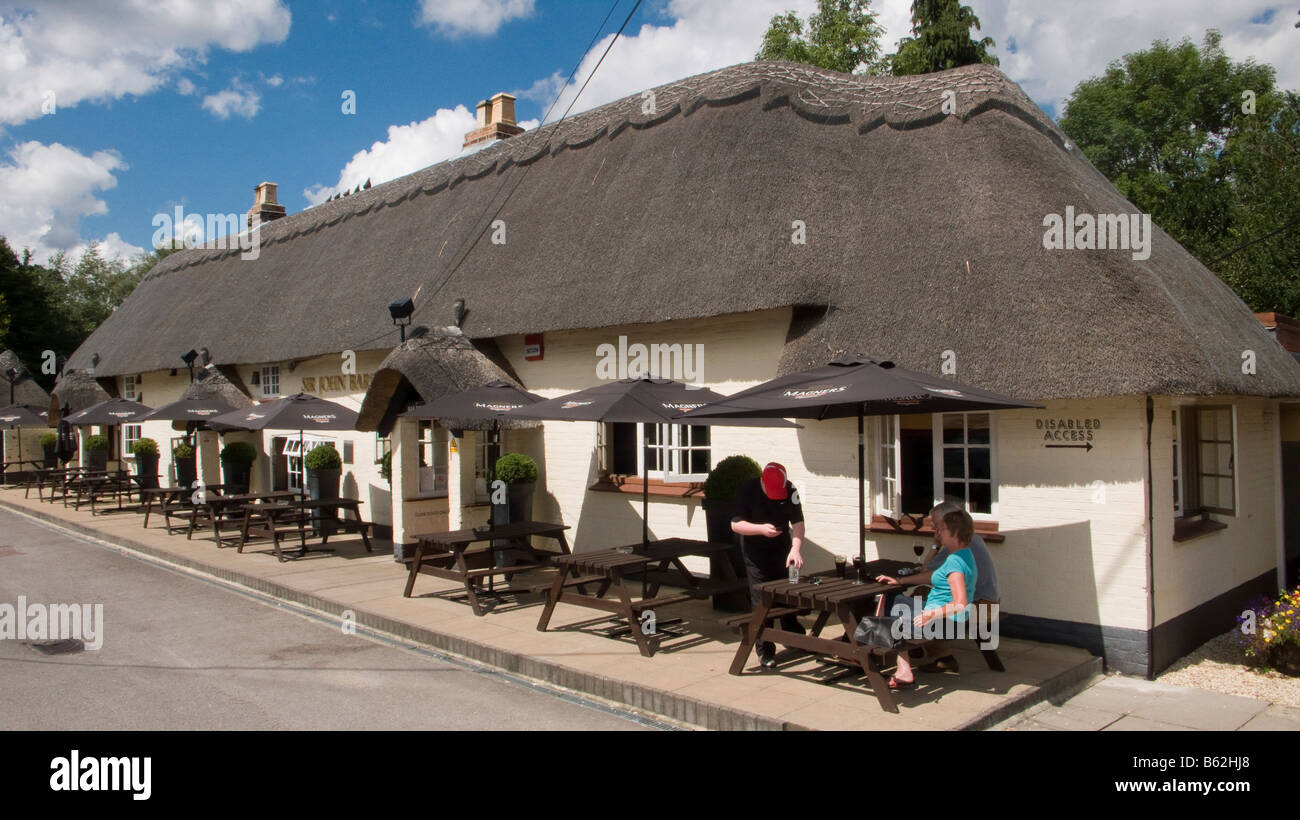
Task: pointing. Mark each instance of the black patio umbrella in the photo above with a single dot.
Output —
(195, 413)
(493, 401)
(855, 386)
(644, 400)
(109, 413)
(297, 412)
(22, 415)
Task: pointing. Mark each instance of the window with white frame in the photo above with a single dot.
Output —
(433, 460)
(270, 381)
(486, 450)
(1178, 463)
(677, 453)
(294, 453)
(952, 459)
(1208, 468)
(888, 500)
(130, 435)
(130, 387)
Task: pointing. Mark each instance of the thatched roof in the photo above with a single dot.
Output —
(430, 367)
(78, 390)
(221, 384)
(924, 234)
(26, 390)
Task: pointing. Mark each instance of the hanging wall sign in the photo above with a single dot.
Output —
(1068, 433)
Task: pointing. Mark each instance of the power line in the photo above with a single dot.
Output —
(1271, 233)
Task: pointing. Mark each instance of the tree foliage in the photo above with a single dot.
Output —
(941, 39)
(1211, 149)
(842, 35)
(57, 305)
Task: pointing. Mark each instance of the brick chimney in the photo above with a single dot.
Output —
(265, 208)
(496, 121)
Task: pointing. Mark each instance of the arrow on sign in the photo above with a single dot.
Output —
(1070, 446)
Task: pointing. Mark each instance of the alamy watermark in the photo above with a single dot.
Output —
(681, 362)
(1122, 232)
(980, 623)
(213, 231)
(52, 622)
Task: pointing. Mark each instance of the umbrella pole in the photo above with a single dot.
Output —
(862, 486)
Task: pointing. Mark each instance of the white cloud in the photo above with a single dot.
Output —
(96, 50)
(45, 190)
(408, 148)
(185, 86)
(238, 99)
(458, 18)
(110, 247)
(275, 80)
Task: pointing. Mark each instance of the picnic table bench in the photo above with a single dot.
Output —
(842, 598)
(443, 554)
(277, 519)
(94, 486)
(172, 501)
(227, 511)
(41, 478)
(653, 564)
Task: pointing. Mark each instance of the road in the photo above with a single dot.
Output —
(182, 653)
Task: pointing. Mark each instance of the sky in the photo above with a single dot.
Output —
(114, 113)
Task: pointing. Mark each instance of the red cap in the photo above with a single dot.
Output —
(774, 481)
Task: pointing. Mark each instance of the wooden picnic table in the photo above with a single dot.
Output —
(831, 596)
(223, 510)
(171, 499)
(99, 484)
(279, 518)
(20, 474)
(653, 564)
(442, 554)
(41, 478)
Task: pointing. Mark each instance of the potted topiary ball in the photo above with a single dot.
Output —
(721, 490)
(237, 459)
(97, 449)
(519, 472)
(145, 451)
(50, 449)
(186, 470)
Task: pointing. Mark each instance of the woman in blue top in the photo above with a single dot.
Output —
(949, 586)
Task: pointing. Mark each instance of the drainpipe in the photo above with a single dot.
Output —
(1151, 561)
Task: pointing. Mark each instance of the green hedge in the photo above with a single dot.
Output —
(144, 447)
(182, 450)
(516, 468)
(727, 476)
(386, 466)
(49, 439)
(239, 452)
(97, 443)
(323, 457)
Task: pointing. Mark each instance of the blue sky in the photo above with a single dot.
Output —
(195, 108)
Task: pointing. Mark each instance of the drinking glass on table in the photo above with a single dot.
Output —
(840, 563)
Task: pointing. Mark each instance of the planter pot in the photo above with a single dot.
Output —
(98, 459)
(51, 456)
(717, 515)
(235, 477)
(520, 497)
(186, 472)
(323, 485)
(1285, 659)
(146, 468)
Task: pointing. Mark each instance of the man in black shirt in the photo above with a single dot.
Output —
(769, 519)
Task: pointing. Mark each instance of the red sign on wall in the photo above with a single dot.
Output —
(533, 347)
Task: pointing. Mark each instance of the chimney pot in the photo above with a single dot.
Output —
(496, 121)
(265, 208)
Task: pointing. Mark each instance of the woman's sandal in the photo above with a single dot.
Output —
(896, 684)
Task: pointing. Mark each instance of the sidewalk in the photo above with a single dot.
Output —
(1120, 704)
(686, 680)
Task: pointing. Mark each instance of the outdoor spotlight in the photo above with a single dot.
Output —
(11, 375)
(94, 362)
(205, 355)
(459, 306)
(401, 310)
(189, 358)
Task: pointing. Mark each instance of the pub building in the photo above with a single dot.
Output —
(767, 218)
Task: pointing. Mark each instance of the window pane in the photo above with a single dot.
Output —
(1209, 457)
(1224, 424)
(954, 431)
(981, 498)
(955, 490)
(1225, 492)
(699, 461)
(652, 433)
(1209, 496)
(954, 462)
(1224, 462)
(977, 426)
(980, 462)
(699, 435)
(1206, 420)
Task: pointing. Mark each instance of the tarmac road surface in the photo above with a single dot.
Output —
(181, 653)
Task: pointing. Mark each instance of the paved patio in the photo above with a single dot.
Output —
(686, 680)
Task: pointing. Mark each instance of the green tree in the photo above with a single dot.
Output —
(1210, 149)
(941, 39)
(843, 35)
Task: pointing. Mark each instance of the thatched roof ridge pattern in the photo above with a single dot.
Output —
(924, 235)
(26, 390)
